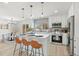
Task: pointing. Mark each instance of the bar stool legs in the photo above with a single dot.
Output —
(27, 50)
(20, 50)
(37, 51)
(42, 52)
(18, 41)
(14, 49)
(26, 43)
(36, 48)
(32, 52)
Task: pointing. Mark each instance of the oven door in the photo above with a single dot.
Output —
(56, 38)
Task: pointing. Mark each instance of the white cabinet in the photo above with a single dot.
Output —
(58, 19)
(65, 38)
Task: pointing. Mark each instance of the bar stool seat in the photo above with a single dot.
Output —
(18, 41)
(35, 45)
(26, 43)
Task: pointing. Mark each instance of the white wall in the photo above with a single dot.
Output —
(57, 19)
(71, 11)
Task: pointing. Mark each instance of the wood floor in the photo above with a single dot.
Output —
(6, 49)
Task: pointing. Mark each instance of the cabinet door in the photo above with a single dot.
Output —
(27, 27)
(45, 26)
(23, 28)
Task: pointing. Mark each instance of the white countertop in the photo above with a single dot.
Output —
(39, 34)
(43, 35)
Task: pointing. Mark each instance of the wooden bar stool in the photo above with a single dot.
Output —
(35, 45)
(26, 43)
(18, 41)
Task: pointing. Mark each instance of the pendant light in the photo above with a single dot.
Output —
(42, 5)
(22, 13)
(31, 6)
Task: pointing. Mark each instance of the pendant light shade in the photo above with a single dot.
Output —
(42, 13)
(22, 12)
(31, 6)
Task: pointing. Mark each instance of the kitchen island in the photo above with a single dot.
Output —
(42, 38)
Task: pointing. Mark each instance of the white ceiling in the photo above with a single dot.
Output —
(13, 9)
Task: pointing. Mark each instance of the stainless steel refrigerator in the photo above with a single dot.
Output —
(71, 35)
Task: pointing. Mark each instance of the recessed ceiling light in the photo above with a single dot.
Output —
(56, 11)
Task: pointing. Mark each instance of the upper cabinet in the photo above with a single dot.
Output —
(60, 21)
(4, 26)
